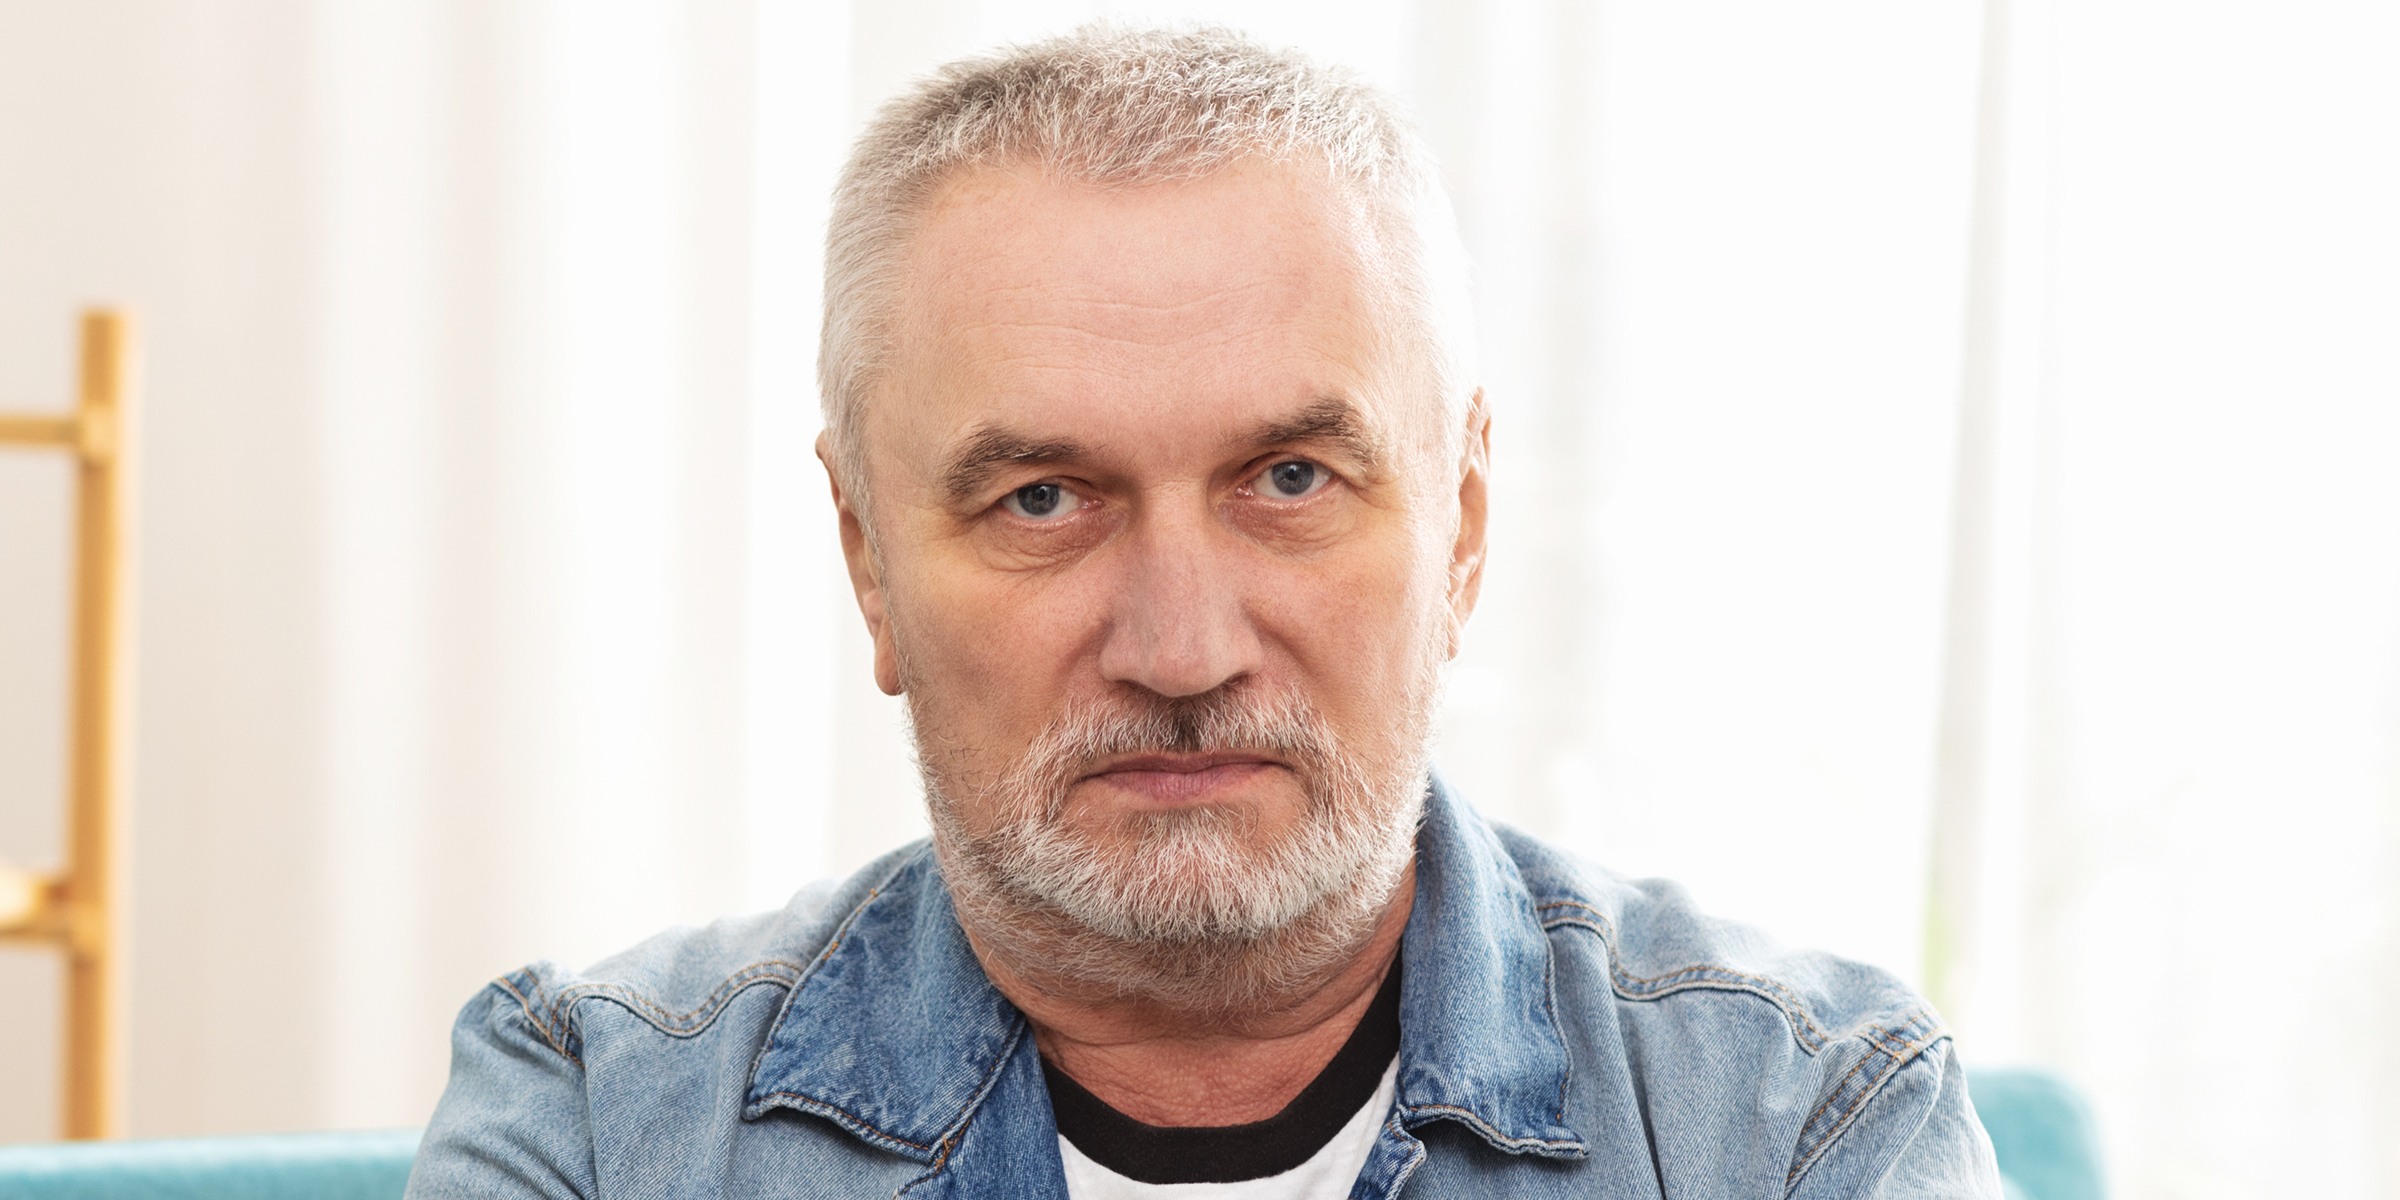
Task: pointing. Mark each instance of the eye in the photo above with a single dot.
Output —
(1042, 501)
(1291, 479)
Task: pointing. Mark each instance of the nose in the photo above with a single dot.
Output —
(1177, 625)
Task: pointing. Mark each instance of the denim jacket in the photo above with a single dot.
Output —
(1564, 1033)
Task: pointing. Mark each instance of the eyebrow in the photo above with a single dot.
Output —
(991, 451)
(1329, 419)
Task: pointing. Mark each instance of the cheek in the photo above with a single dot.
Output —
(1360, 628)
(986, 652)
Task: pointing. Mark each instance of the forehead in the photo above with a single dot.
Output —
(1258, 287)
(1264, 229)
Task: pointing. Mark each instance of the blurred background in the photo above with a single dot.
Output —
(1947, 508)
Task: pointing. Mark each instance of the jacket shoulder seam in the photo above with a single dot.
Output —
(693, 1021)
(1889, 1049)
(1811, 1036)
(555, 1018)
(554, 1036)
(551, 1013)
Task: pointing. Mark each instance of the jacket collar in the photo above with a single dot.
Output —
(895, 1034)
(1479, 1037)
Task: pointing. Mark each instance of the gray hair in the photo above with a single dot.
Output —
(1120, 107)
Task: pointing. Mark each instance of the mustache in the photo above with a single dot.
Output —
(1236, 717)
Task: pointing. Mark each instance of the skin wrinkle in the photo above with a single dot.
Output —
(1180, 308)
(1172, 328)
(990, 450)
(1191, 963)
(1346, 221)
(1332, 419)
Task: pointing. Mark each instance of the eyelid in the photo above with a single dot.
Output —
(1326, 476)
(1320, 461)
(1067, 489)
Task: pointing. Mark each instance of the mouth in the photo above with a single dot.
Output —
(1179, 779)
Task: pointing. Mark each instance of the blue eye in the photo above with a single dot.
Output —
(1042, 501)
(1291, 479)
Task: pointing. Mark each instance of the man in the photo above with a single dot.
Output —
(1162, 479)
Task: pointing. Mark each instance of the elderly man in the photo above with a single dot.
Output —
(1162, 478)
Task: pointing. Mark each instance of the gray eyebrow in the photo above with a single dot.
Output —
(991, 451)
(1329, 419)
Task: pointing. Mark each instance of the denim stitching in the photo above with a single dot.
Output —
(833, 942)
(1823, 1138)
(1895, 1052)
(1812, 1038)
(687, 1024)
(848, 1120)
(838, 1115)
(1416, 1156)
(842, 931)
(525, 1007)
(952, 1136)
(1469, 1117)
(555, 1021)
(1550, 1009)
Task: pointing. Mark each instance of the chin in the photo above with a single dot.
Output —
(1189, 909)
(1178, 888)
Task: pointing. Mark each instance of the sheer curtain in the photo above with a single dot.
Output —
(2187, 862)
(1943, 507)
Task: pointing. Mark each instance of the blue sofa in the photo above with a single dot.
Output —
(2042, 1133)
(290, 1166)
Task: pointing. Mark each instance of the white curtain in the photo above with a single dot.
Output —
(1944, 467)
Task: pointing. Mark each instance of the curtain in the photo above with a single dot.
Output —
(1943, 508)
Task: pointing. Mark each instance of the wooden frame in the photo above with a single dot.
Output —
(81, 910)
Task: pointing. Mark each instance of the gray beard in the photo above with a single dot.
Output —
(1184, 908)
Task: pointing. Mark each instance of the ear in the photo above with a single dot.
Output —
(866, 576)
(1474, 515)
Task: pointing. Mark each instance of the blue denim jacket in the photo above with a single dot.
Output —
(1564, 1033)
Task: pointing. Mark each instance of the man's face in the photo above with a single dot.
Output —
(1160, 454)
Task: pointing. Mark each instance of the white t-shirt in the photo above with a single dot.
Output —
(1327, 1175)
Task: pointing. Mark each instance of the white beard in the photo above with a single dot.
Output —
(1185, 908)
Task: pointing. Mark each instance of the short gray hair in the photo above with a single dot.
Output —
(1124, 107)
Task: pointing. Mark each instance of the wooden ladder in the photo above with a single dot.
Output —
(80, 911)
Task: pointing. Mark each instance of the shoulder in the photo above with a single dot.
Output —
(1658, 944)
(1757, 1060)
(681, 981)
(555, 1073)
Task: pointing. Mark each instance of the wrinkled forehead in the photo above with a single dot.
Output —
(1179, 252)
(1258, 275)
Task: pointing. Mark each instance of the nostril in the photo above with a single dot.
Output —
(1178, 648)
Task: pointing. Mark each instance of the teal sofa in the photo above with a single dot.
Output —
(2041, 1129)
(287, 1166)
(2042, 1133)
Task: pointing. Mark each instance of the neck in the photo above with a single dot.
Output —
(1183, 1053)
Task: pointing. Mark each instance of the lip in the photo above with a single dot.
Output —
(1172, 779)
(1181, 764)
